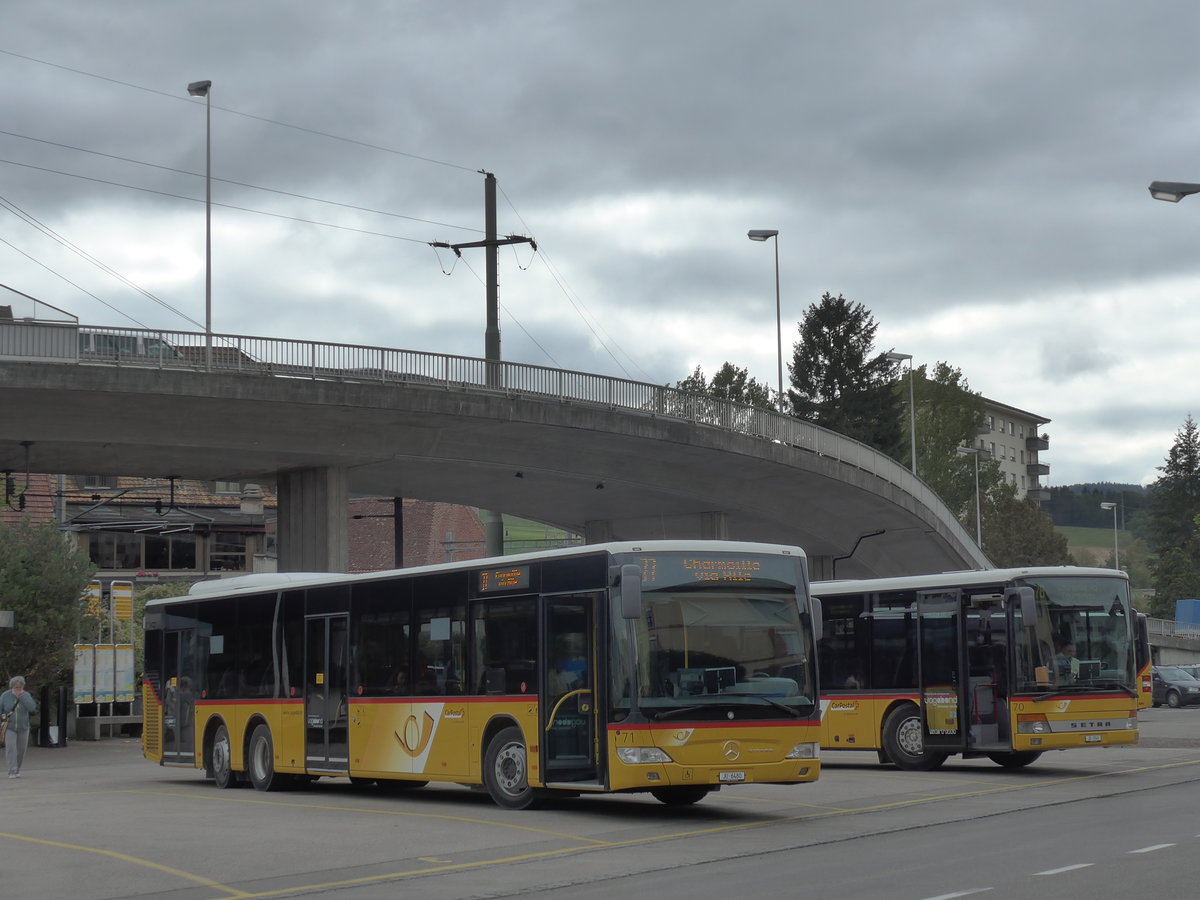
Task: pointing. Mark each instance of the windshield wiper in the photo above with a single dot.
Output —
(790, 710)
(674, 711)
(1112, 683)
(687, 710)
(1066, 689)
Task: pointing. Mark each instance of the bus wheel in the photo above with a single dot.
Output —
(681, 796)
(262, 761)
(222, 759)
(1017, 759)
(903, 743)
(506, 770)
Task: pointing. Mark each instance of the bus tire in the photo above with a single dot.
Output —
(506, 770)
(1017, 759)
(684, 795)
(222, 759)
(261, 761)
(902, 740)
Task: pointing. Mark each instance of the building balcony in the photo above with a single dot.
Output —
(1040, 494)
(1037, 469)
(1038, 443)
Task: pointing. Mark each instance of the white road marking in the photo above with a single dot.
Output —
(1152, 848)
(1064, 869)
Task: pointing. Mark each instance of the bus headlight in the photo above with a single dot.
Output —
(805, 751)
(641, 756)
(1032, 723)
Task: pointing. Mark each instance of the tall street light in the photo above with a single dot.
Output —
(912, 406)
(976, 452)
(1172, 191)
(762, 234)
(1116, 534)
(201, 89)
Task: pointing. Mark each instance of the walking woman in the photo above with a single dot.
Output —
(16, 705)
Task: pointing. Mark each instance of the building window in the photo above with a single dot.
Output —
(227, 552)
(227, 487)
(93, 482)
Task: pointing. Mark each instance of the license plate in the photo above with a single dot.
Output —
(729, 777)
(1092, 738)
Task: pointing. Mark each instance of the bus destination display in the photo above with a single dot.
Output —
(677, 569)
(509, 578)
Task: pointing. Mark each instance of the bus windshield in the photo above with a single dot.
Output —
(721, 654)
(1082, 636)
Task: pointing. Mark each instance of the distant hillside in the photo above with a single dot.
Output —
(1078, 505)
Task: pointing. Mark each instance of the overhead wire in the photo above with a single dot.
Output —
(572, 297)
(104, 267)
(577, 303)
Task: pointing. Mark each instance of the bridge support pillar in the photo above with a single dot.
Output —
(714, 526)
(820, 568)
(312, 520)
(493, 532)
(597, 531)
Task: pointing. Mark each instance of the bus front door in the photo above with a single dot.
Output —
(179, 697)
(326, 642)
(942, 678)
(569, 708)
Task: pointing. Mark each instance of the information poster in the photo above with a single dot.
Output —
(85, 673)
(124, 674)
(105, 672)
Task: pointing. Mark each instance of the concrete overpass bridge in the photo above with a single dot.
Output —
(608, 457)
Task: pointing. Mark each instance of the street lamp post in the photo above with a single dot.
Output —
(1116, 534)
(762, 234)
(912, 405)
(976, 452)
(201, 89)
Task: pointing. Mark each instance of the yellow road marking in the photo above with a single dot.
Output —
(589, 843)
(125, 857)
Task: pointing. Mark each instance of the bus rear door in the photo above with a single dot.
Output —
(941, 672)
(326, 641)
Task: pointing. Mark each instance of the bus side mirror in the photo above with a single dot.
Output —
(631, 591)
(818, 618)
(1023, 598)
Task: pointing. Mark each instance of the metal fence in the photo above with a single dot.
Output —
(276, 357)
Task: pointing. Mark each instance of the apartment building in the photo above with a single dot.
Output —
(1013, 437)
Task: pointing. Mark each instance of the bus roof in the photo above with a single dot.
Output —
(965, 578)
(268, 581)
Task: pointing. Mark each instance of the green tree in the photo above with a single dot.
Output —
(729, 383)
(1018, 533)
(948, 416)
(1175, 497)
(840, 382)
(43, 578)
(1170, 522)
(1176, 577)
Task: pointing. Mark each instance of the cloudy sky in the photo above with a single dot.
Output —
(974, 174)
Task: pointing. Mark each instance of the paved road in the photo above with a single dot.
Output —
(94, 820)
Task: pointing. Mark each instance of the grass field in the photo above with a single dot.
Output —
(1091, 546)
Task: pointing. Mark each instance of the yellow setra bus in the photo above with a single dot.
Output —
(674, 668)
(1000, 663)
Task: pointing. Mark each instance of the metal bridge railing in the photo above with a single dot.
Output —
(278, 357)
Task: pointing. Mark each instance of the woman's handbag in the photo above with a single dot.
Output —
(3, 728)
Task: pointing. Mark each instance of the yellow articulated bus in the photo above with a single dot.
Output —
(1001, 663)
(674, 668)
